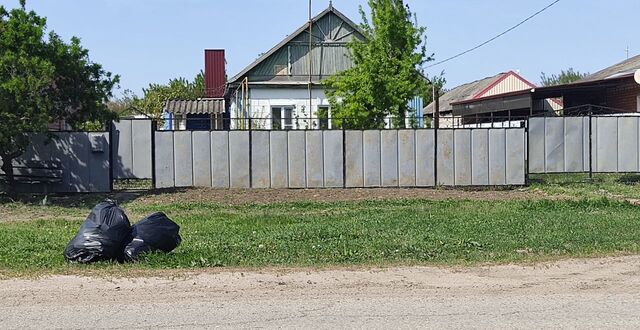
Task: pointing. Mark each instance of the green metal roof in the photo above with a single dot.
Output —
(288, 61)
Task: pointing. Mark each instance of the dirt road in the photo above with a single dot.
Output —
(595, 293)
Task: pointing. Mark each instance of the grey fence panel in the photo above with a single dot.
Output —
(239, 171)
(389, 158)
(407, 158)
(606, 144)
(183, 156)
(122, 150)
(372, 160)
(260, 160)
(141, 148)
(354, 161)
(497, 157)
(315, 161)
(297, 159)
(83, 158)
(627, 144)
(515, 151)
(537, 142)
(425, 158)
(480, 157)
(586, 130)
(220, 176)
(445, 158)
(201, 145)
(573, 149)
(554, 145)
(278, 159)
(462, 157)
(333, 161)
(132, 149)
(164, 160)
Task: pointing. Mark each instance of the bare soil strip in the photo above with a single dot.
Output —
(591, 293)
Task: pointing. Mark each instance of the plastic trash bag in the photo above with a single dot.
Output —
(156, 232)
(102, 236)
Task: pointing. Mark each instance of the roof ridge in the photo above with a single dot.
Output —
(297, 32)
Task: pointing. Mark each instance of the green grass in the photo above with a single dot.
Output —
(352, 233)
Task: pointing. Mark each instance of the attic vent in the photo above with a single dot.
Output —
(281, 70)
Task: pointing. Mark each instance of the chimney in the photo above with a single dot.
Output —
(215, 76)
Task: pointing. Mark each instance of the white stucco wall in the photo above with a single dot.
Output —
(262, 100)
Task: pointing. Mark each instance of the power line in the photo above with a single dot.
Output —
(496, 37)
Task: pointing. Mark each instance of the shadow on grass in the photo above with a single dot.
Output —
(629, 179)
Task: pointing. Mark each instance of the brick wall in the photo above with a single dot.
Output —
(624, 96)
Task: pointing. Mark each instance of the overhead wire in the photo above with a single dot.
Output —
(496, 37)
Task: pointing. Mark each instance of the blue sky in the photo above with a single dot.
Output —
(148, 41)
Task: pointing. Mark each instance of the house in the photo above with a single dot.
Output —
(207, 113)
(282, 89)
(499, 84)
(611, 90)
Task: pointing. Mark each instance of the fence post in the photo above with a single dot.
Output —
(109, 127)
(526, 163)
(344, 158)
(250, 155)
(590, 144)
(154, 127)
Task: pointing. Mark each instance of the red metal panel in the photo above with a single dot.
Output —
(214, 72)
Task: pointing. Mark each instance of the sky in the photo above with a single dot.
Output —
(152, 41)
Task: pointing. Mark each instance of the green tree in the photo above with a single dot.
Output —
(387, 68)
(154, 97)
(44, 79)
(564, 77)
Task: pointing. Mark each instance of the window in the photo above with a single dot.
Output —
(323, 117)
(282, 117)
(638, 103)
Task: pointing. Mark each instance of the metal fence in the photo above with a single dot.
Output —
(83, 157)
(132, 144)
(594, 144)
(340, 158)
(475, 151)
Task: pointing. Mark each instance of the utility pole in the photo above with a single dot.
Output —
(627, 50)
(310, 58)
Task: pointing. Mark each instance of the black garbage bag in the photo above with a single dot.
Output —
(156, 232)
(102, 236)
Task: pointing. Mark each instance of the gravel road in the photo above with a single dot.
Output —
(591, 293)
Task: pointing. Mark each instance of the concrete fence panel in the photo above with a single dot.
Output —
(239, 170)
(389, 157)
(297, 159)
(333, 159)
(220, 172)
(354, 161)
(425, 158)
(372, 160)
(278, 147)
(314, 151)
(407, 158)
(201, 144)
(132, 149)
(260, 159)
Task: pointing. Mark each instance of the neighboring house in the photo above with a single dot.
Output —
(611, 90)
(207, 113)
(274, 90)
(501, 83)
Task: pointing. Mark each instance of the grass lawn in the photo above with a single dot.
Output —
(322, 234)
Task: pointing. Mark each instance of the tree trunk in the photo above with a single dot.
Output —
(7, 168)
